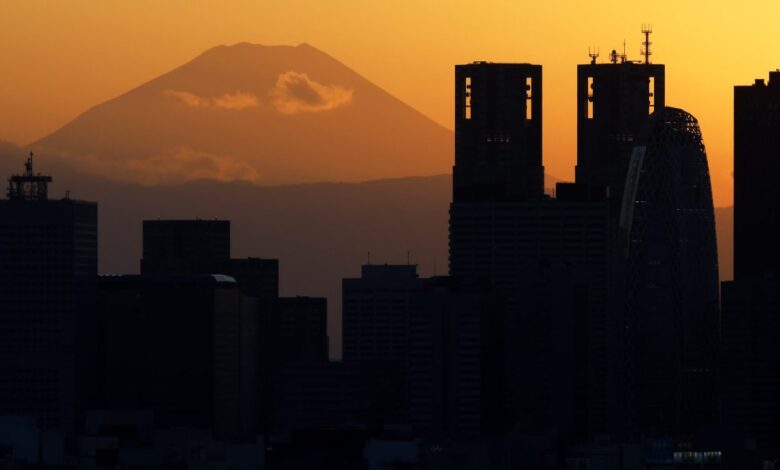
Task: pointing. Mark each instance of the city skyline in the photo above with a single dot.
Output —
(704, 56)
(262, 259)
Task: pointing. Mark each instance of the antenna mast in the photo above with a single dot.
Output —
(593, 54)
(647, 30)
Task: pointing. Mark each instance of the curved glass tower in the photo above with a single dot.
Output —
(670, 259)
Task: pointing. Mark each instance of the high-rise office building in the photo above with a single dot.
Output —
(375, 312)
(300, 326)
(549, 261)
(184, 246)
(668, 248)
(448, 360)
(175, 345)
(429, 334)
(756, 165)
(614, 100)
(750, 318)
(48, 272)
(498, 140)
(750, 359)
(504, 231)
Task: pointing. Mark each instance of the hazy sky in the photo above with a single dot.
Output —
(58, 58)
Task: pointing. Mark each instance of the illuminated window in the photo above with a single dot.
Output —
(590, 98)
(468, 98)
(651, 95)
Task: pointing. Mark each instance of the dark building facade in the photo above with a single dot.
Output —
(375, 312)
(508, 236)
(498, 137)
(750, 353)
(184, 246)
(48, 273)
(750, 359)
(301, 329)
(669, 252)
(756, 164)
(549, 263)
(614, 100)
(448, 360)
(173, 345)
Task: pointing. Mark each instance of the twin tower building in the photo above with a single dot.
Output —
(610, 285)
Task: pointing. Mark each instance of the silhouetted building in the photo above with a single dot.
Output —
(48, 271)
(301, 329)
(667, 230)
(448, 358)
(184, 246)
(365, 395)
(375, 313)
(756, 166)
(750, 326)
(498, 132)
(750, 358)
(549, 260)
(256, 277)
(181, 347)
(614, 100)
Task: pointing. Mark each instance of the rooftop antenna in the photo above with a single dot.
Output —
(593, 54)
(624, 57)
(647, 30)
(613, 56)
(28, 186)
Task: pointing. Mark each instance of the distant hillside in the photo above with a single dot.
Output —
(265, 114)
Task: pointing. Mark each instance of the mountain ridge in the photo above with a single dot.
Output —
(267, 114)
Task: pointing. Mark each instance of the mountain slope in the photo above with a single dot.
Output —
(264, 114)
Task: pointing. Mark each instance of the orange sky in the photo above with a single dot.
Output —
(58, 58)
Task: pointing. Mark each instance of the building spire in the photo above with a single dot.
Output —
(647, 30)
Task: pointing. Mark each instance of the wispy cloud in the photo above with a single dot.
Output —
(173, 166)
(235, 101)
(296, 93)
(190, 99)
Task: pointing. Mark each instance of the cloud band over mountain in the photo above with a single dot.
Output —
(296, 93)
(237, 100)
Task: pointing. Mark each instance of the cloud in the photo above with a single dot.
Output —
(296, 93)
(173, 166)
(187, 98)
(236, 101)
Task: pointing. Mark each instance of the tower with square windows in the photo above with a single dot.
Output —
(498, 132)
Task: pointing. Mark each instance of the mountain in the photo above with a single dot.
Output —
(265, 114)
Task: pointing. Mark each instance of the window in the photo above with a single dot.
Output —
(467, 98)
(589, 92)
(529, 99)
(651, 95)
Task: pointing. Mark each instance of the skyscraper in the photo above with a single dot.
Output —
(375, 312)
(506, 234)
(498, 140)
(668, 248)
(175, 345)
(48, 273)
(756, 166)
(184, 246)
(614, 100)
(750, 303)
